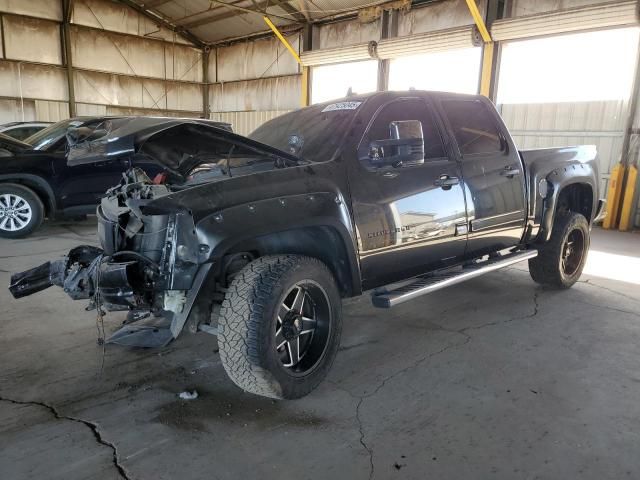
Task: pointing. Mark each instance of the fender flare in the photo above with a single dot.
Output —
(281, 216)
(551, 202)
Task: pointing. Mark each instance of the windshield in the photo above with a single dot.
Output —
(313, 133)
(50, 135)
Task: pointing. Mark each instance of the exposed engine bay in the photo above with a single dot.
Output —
(138, 268)
(151, 262)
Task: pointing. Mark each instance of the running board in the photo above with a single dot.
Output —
(432, 282)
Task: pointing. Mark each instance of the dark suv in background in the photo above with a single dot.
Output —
(36, 182)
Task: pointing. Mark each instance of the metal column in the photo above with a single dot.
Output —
(67, 10)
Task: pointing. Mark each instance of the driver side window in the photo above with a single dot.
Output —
(383, 125)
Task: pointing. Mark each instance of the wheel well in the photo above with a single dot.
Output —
(577, 197)
(321, 242)
(47, 202)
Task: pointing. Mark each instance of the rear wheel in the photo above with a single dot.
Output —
(279, 326)
(561, 260)
(21, 211)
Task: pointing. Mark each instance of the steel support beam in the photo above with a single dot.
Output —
(491, 49)
(308, 38)
(159, 19)
(629, 196)
(67, 11)
(236, 10)
(389, 29)
(206, 110)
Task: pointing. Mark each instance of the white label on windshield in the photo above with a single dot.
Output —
(341, 106)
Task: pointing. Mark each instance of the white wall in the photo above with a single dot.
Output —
(254, 81)
(122, 63)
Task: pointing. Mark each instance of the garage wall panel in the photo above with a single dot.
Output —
(112, 110)
(618, 14)
(184, 96)
(246, 122)
(86, 109)
(117, 17)
(542, 125)
(439, 16)
(51, 9)
(16, 110)
(341, 34)
(256, 59)
(279, 93)
(183, 63)
(23, 80)
(31, 39)
(119, 90)
(48, 111)
(115, 53)
(521, 8)
(101, 88)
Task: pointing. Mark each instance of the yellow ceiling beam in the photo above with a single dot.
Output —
(284, 41)
(482, 28)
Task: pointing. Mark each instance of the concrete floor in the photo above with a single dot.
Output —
(493, 378)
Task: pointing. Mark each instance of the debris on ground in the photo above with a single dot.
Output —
(186, 395)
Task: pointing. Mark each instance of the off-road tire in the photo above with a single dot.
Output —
(546, 269)
(37, 209)
(247, 320)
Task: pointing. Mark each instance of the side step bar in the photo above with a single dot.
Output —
(430, 283)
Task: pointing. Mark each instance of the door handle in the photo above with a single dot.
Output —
(510, 172)
(446, 182)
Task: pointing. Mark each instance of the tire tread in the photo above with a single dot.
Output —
(240, 319)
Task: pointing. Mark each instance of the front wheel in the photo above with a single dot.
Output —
(279, 326)
(21, 211)
(561, 260)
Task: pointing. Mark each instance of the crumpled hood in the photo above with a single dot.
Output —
(170, 142)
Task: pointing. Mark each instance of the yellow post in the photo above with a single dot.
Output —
(304, 92)
(487, 66)
(613, 196)
(487, 56)
(626, 220)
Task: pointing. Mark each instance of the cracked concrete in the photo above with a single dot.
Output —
(95, 430)
(467, 339)
(493, 378)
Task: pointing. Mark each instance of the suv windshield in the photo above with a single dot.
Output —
(312, 134)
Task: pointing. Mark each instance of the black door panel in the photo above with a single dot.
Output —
(409, 219)
(492, 173)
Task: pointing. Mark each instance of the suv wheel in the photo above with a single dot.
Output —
(21, 211)
(279, 326)
(560, 261)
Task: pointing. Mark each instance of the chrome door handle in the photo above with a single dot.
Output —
(510, 172)
(446, 182)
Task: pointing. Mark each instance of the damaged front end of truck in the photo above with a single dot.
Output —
(152, 261)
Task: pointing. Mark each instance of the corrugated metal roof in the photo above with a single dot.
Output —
(213, 21)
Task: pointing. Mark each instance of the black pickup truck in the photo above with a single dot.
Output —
(257, 239)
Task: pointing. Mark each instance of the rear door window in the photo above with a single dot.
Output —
(473, 126)
(22, 132)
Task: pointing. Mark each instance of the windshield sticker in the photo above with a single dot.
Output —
(341, 106)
